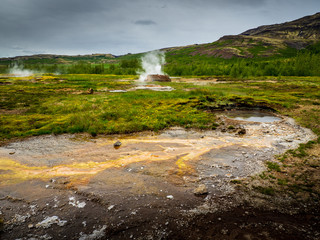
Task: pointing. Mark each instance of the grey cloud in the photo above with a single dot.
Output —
(145, 22)
(117, 26)
(17, 47)
(23, 51)
(217, 3)
(250, 3)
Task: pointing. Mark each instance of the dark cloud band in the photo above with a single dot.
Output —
(145, 22)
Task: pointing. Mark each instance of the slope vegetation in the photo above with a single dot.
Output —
(263, 41)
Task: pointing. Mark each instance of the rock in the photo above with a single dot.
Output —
(48, 221)
(110, 207)
(201, 190)
(117, 144)
(170, 197)
(241, 131)
(75, 203)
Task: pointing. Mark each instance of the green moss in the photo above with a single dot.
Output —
(301, 150)
(282, 181)
(235, 181)
(271, 176)
(263, 176)
(265, 190)
(282, 158)
(273, 166)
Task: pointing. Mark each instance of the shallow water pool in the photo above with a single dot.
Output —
(251, 115)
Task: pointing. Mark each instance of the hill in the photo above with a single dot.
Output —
(302, 29)
(60, 59)
(264, 41)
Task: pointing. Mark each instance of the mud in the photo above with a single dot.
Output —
(78, 187)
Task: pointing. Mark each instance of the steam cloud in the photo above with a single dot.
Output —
(18, 71)
(151, 64)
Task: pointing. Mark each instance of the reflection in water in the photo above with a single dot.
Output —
(252, 116)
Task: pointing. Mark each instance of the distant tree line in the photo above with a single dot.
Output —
(124, 67)
(303, 63)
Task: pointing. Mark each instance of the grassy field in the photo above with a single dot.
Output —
(61, 103)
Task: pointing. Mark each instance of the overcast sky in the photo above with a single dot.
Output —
(130, 26)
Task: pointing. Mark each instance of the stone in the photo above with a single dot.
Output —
(241, 131)
(201, 190)
(110, 207)
(169, 197)
(117, 144)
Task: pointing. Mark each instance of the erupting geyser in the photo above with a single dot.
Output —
(152, 67)
(19, 71)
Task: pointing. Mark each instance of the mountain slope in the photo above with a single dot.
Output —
(60, 59)
(306, 28)
(264, 41)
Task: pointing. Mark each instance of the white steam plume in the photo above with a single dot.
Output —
(18, 71)
(151, 64)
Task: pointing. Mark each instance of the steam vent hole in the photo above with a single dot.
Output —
(158, 78)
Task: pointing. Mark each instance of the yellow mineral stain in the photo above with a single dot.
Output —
(19, 172)
(195, 155)
(191, 149)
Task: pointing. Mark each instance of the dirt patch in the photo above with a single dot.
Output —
(13, 111)
(199, 81)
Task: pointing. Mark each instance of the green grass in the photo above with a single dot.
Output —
(54, 106)
(60, 104)
(265, 190)
(258, 49)
(273, 166)
(301, 150)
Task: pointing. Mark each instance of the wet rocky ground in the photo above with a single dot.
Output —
(176, 184)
